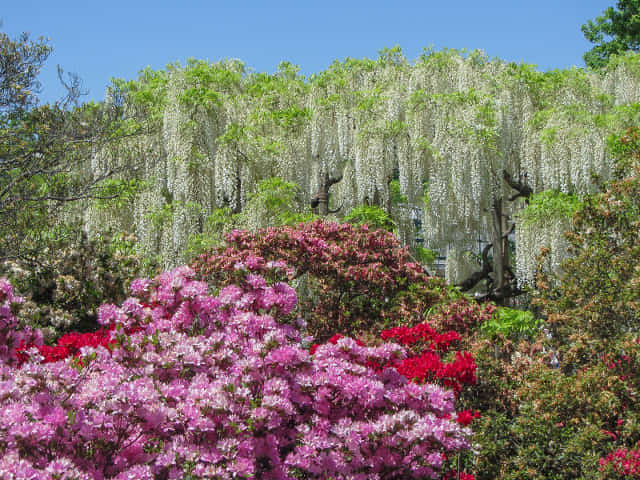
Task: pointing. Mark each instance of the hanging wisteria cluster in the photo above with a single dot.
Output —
(446, 126)
(543, 224)
(531, 237)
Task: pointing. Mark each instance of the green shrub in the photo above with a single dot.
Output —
(370, 215)
(512, 324)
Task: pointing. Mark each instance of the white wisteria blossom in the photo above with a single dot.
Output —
(458, 132)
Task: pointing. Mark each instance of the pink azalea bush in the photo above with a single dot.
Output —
(202, 386)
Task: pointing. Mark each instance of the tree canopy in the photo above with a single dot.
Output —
(20, 63)
(614, 32)
(45, 150)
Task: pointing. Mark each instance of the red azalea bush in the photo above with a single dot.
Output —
(422, 333)
(68, 345)
(427, 364)
(429, 367)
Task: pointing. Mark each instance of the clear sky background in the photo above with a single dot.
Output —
(103, 39)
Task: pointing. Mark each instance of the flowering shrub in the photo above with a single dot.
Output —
(69, 345)
(424, 361)
(465, 417)
(422, 334)
(219, 387)
(540, 421)
(427, 365)
(349, 279)
(623, 463)
(12, 335)
(461, 315)
(63, 291)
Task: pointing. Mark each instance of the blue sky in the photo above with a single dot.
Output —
(100, 40)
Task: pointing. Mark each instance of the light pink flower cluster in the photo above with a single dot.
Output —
(12, 336)
(219, 388)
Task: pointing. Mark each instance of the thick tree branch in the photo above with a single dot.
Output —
(337, 209)
(520, 186)
(482, 274)
(321, 198)
(511, 230)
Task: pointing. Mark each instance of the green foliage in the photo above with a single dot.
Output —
(397, 198)
(483, 129)
(165, 212)
(425, 255)
(368, 100)
(628, 60)
(148, 92)
(579, 117)
(622, 116)
(512, 323)
(275, 202)
(441, 58)
(471, 97)
(395, 128)
(338, 72)
(392, 56)
(217, 224)
(292, 118)
(544, 88)
(208, 82)
(616, 31)
(373, 216)
(625, 149)
(288, 71)
(117, 193)
(233, 134)
(548, 204)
